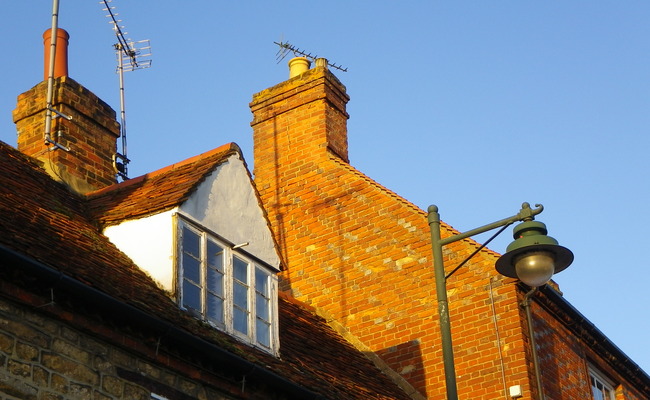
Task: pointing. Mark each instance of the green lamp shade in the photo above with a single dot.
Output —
(533, 257)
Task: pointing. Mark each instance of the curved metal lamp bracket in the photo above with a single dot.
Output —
(528, 214)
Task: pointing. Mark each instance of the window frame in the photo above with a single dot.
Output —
(255, 269)
(599, 377)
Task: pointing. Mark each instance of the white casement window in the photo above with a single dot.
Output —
(601, 387)
(226, 287)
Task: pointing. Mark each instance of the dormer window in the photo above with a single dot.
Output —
(226, 287)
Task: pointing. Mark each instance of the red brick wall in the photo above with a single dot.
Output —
(362, 254)
(564, 359)
(91, 134)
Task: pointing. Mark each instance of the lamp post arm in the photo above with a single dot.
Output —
(526, 213)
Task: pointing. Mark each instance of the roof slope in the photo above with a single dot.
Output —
(44, 221)
(156, 191)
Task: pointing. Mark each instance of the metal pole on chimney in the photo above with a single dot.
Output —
(50, 76)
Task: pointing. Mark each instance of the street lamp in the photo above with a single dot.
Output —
(533, 258)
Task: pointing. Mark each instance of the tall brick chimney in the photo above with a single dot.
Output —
(304, 116)
(81, 149)
(297, 124)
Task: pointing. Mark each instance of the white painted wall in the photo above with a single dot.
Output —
(149, 241)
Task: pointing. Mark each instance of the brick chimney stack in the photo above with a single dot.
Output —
(84, 161)
(297, 124)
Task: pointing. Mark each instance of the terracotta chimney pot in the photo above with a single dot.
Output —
(61, 55)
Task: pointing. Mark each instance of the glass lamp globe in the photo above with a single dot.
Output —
(533, 257)
(535, 268)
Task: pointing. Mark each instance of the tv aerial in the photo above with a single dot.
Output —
(286, 48)
(131, 56)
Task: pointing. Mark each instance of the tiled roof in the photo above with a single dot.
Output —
(156, 191)
(44, 221)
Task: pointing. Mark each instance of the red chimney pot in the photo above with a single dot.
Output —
(61, 56)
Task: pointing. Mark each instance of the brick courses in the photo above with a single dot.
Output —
(91, 134)
(360, 254)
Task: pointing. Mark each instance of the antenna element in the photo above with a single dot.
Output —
(286, 47)
(131, 56)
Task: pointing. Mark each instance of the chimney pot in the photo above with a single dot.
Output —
(61, 55)
(298, 65)
(321, 62)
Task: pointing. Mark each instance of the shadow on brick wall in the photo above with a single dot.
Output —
(406, 360)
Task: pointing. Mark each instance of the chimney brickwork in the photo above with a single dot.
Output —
(91, 135)
(79, 151)
(361, 254)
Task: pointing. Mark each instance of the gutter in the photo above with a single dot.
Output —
(90, 294)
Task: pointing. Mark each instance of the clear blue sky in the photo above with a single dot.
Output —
(475, 106)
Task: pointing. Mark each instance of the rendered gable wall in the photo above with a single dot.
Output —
(225, 202)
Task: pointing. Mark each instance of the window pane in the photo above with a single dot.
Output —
(240, 320)
(191, 296)
(215, 309)
(261, 282)
(240, 297)
(262, 307)
(191, 242)
(191, 268)
(215, 255)
(240, 270)
(263, 332)
(600, 389)
(215, 282)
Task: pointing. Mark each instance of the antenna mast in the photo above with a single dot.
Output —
(286, 47)
(131, 56)
(49, 110)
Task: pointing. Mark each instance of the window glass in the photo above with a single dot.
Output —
(263, 332)
(215, 309)
(261, 282)
(262, 307)
(240, 320)
(191, 243)
(225, 287)
(601, 389)
(215, 282)
(191, 295)
(191, 268)
(215, 255)
(240, 268)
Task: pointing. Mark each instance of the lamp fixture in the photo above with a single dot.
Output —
(533, 257)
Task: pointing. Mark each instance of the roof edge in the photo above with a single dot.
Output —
(231, 147)
(560, 307)
(155, 323)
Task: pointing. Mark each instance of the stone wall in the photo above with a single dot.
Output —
(46, 359)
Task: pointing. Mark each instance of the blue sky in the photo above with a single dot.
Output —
(475, 106)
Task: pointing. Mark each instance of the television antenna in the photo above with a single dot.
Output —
(131, 56)
(286, 47)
